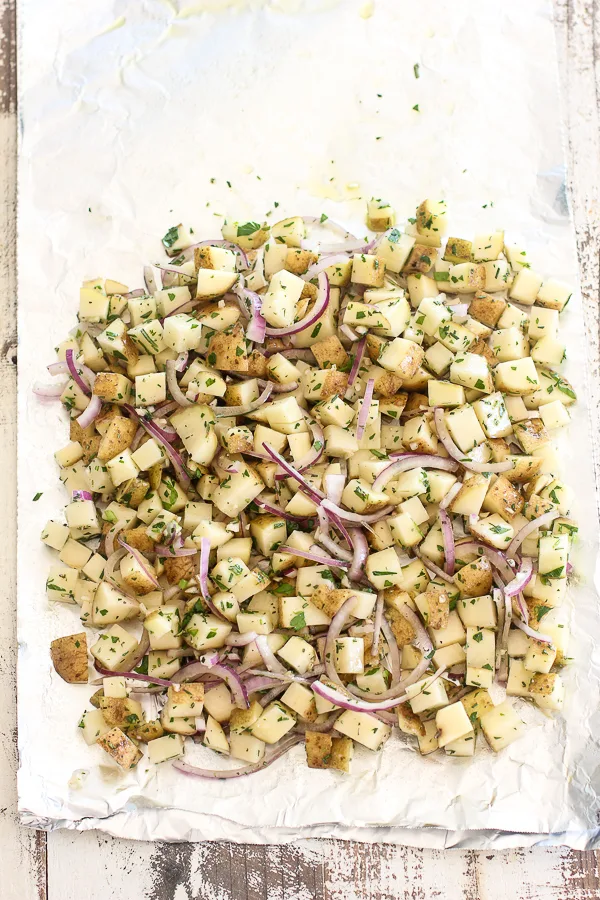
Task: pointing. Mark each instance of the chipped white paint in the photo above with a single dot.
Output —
(109, 869)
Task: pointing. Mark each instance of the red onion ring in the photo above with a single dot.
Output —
(319, 307)
(336, 625)
(432, 566)
(244, 410)
(203, 567)
(149, 280)
(347, 702)
(365, 408)
(448, 541)
(49, 391)
(334, 486)
(220, 774)
(155, 432)
(377, 624)
(522, 578)
(360, 352)
(81, 384)
(526, 530)
(360, 552)
(90, 413)
(314, 454)
(449, 497)
(496, 557)
(174, 389)
(141, 561)
(163, 550)
(313, 493)
(409, 461)
(233, 681)
(270, 660)
(457, 454)
(314, 557)
(325, 262)
(359, 518)
(531, 632)
(277, 511)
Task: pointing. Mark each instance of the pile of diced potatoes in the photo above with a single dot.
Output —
(465, 325)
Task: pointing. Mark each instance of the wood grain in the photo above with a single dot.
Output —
(36, 868)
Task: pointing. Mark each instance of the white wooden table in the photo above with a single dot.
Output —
(65, 865)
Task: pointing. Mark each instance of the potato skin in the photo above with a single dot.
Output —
(486, 308)
(330, 352)
(121, 748)
(421, 259)
(342, 750)
(403, 630)
(70, 659)
(318, 749)
(475, 579)
(179, 568)
(227, 350)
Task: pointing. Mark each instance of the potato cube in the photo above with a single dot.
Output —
(548, 691)
(275, 722)
(279, 305)
(298, 654)
(349, 655)
(554, 294)
(301, 700)
(526, 286)
(69, 658)
(453, 723)
(318, 750)
(426, 694)
(368, 269)
(150, 389)
(553, 555)
(465, 428)
(113, 647)
(501, 725)
(55, 534)
(205, 632)
(472, 371)
(61, 583)
(517, 377)
(363, 728)
(93, 725)
(161, 749)
(519, 678)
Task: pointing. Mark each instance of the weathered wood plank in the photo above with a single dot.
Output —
(23, 852)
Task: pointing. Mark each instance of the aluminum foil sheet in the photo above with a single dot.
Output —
(138, 114)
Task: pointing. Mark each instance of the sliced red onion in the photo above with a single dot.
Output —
(449, 497)
(526, 530)
(256, 328)
(240, 640)
(334, 486)
(173, 386)
(377, 624)
(135, 676)
(347, 702)
(162, 550)
(365, 408)
(336, 625)
(314, 557)
(140, 651)
(137, 438)
(330, 545)
(49, 391)
(109, 538)
(203, 567)
(225, 673)
(82, 495)
(90, 413)
(325, 262)
(360, 550)
(273, 694)
(314, 454)
(305, 354)
(437, 571)
(174, 456)
(322, 727)
(448, 541)
(349, 333)
(359, 518)
(131, 295)
(244, 410)
(141, 561)
(181, 361)
(277, 511)
(531, 632)
(220, 774)
(408, 461)
(522, 578)
(149, 280)
(360, 352)
(319, 307)
(81, 384)
(278, 676)
(280, 388)
(313, 493)
(268, 657)
(496, 557)
(457, 454)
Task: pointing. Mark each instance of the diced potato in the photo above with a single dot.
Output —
(275, 722)
(453, 723)
(161, 749)
(122, 749)
(363, 728)
(69, 658)
(501, 725)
